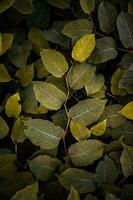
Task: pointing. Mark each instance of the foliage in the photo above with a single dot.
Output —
(66, 99)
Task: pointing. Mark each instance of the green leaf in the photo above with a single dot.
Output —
(63, 4)
(43, 133)
(107, 15)
(126, 160)
(99, 128)
(127, 111)
(87, 111)
(29, 192)
(5, 4)
(6, 40)
(86, 152)
(95, 84)
(81, 180)
(58, 65)
(40, 69)
(37, 39)
(4, 129)
(90, 197)
(106, 171)
(105, 50)
(83, 48)
(73, 194)
(80, 74)
(110, 197)
(4, 75)
(43, 167)
(49, 95)
(75, 29)
(60, 118)
(24, 7)
(87, 5)
(125, 26)
(126, 60)
(130, 7)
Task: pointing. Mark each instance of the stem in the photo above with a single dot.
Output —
(125, 50)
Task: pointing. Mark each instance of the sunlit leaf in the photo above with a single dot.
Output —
(99, 128)
(87, 5)
(127, 110)
(4, 75)
(73, 194)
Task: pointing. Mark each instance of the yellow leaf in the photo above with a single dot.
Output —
(99, 128)
(13, 107)
(127, 110)
(83, 47)
(6, 40)
(42, 109)
(4, 75)
(79, 131)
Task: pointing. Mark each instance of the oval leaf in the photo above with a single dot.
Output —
(87, 5)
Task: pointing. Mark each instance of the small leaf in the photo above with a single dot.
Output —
(79, 131)
(5, 4)
(43, 167)
(127, 110)
(60, 118)
(4, 75)
(87, 6)
(130, 7)
(49, 95)
(83, 48)
(43, 133)
(99, 128)
(126, 160)
(40, 69)
(4, 129)
(13, 107)
(6, 40)
(63, 4)
(24, 7)
(73, 194)
(81, 180)
(54, 62)
(86, 152)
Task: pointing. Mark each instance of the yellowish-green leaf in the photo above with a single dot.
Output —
(42, 109)
(54, 62)
(49, 95)
(99, 128)
(79, 131)
(0, 44)
(100, 94)
(127, 110)
(40, 69)
(4, 75)
(63, 4)
(130, 6)
(13, 107)
(6, 40)
(37, 39)
(87, 5)
(83, 48)
(24, 7)
(5, 4)
(4, 129)
(73, 194)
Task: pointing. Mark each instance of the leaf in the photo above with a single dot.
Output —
(110, 197)
(40, 69)
(25, 75)
(13, 107)
(60, 118)
(105, 50)
(79, 131)
(62, 4)
(43, 167)
(90, 197)
(127, 111)
(75, 29)
(125, 26)
(25, 7)
(5, 4)
(99, 129)
(81, 180)
(106, 171)
(83, 48)
(29, 192)
(43, 133)
(37, 39)
(73, 194)
(87, 111)
(107, 16)
(42, 109)
(95, 84)
(58, 65)
(4, 75)
(49, 95)
(6, 40)
(126, 60)
(86, 152)
(126, 160)
(130, 7)
(87, 5)
(4, 129)
(19, 54)
(7, 166)
(80, 74)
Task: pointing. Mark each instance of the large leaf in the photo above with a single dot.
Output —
(86, 152)
(127, 110)
(4, 75)
(4, 129)
(125, 26)
(63, 4)
(5, 4)
(49, 95)
(87, 111)
(43, 167)
(80, 74)
(105, 50)
(87, 5)
(43, 133)
(6, 40)
(82, 180)
(58, 65)
(83, 48)
(24, 7)
(73, 194)
(107, 16)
